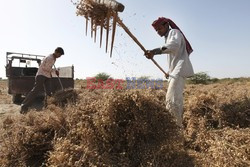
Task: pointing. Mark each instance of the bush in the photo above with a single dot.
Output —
(214, 80)
(102, 76)
(200, 78)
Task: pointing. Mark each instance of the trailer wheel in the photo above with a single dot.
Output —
(17, 99)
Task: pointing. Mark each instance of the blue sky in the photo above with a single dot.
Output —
(218, 31)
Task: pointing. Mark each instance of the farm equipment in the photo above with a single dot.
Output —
(21, 70)
(101, 13)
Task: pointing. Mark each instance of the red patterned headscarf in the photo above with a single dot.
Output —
(162, 20)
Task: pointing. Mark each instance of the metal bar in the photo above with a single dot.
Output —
(26, 58)
(27, 54)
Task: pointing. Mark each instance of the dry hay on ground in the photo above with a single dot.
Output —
(132, 128)
(217, 122)
(63, 97)
(215, 107)
(126, 128)
(5, 98)
(26, 139)
(226, 147)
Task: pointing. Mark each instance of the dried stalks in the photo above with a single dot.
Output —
(133, 128)
(64, 97)
(100, 14)
(125, 128)
(217, 124)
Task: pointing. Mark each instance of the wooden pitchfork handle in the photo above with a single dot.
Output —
(59, 80)
(139, 44)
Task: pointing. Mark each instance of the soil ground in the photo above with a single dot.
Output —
(7, 107)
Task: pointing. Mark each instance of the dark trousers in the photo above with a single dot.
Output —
(42, 83)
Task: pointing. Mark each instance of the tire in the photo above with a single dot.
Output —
(17, 99)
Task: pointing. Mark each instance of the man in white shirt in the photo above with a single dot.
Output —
(42, 80)
(178, 50)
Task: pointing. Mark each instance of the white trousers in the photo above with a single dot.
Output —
(174, 98)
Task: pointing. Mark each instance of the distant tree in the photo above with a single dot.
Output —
(200, 78)
(102, 76)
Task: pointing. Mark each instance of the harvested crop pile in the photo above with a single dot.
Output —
(236, 113)
(225, 147)
(208, 110)
(217, 124)
(62, 98)
(132, 128)
(125, 128)
(25, 140)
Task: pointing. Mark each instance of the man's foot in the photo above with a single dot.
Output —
(24, 109)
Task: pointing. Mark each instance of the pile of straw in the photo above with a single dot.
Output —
(133, 128)
(26, 140)
(126, 128)
(217, 124)
(121, 128)
(225, 147)
(64, 97)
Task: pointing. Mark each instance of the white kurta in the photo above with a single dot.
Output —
(45, 68)
(180, 67)
(178, 59)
